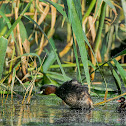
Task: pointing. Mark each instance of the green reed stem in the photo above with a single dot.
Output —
(100, 27)
(77, 62)
(89, 9)
(19, 18)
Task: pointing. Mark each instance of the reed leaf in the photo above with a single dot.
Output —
(49, 61)
(56, 76)
(23, 32)
(9, 26)
(121, 71)
(100, 27)
(8, 22)
(78, 9)
(120, 53)
(98, 7)
(3, 47)
(116, 77)
(77, 62)
(78, 31)
(109, 3)
(69, 64)
(58, 7)
(12, 84)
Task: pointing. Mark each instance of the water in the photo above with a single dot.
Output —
(50, 111)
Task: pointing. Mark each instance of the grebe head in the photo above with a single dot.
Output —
(47, 89)
(121, 100)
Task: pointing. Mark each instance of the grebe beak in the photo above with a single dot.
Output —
(40, 92)
(119, 101)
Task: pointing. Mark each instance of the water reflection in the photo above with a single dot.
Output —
(74, 116)
(122, 118)
(48, 110)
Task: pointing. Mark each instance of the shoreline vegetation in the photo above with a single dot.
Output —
(42, 41)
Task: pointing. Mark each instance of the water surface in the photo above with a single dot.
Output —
(49, 111)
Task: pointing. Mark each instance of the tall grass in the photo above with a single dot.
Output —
(29, 32)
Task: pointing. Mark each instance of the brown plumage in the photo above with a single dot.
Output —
(72, 93)
(122, 106)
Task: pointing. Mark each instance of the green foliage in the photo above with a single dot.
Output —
(58, 7)
(100, 27)
(23, 32)
(53, 48)
(121, 71)
(117, 78)
(78, 31)
(109, 3)
(5, 9)
(3, 47)
(56, 75)
(49, 56)
(77, 5)
(18, 20)
(49, 61)
(124, 9)
(77, 62)
(91, 6)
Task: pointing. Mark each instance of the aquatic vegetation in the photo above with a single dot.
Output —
(46, 39)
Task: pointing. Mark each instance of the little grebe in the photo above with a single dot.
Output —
(122, 106)
(72, 93)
